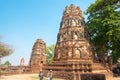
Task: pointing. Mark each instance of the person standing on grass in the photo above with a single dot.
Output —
(40, 75)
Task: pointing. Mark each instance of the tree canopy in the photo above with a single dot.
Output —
(50, 53)
(5, 49)
(103, 23)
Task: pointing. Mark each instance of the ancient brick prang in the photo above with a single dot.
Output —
(73, 50)
(38, 56)
(73, 38)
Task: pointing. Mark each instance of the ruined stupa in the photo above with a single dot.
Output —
(22, 62)
(38, 56)
(73, 39)
(74, 54)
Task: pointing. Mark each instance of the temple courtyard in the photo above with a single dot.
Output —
(74, 55)
(24, 77)
(35, 77)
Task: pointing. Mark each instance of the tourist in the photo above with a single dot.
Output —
(49, 74)
(40, 75)
(47, 77)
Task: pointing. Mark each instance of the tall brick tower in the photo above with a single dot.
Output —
(38, 56)
(73, 39)
(73, 51)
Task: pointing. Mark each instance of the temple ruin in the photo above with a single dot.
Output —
(37, 59)
(22, 62)
(74, 54)
(38, 56)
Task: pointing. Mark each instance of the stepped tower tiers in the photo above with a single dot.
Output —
(73, 52)
(73, 39)
(38, 56)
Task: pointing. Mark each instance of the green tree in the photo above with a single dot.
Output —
(7, 63)
(103, 23)
(5, 49)
(50, 53)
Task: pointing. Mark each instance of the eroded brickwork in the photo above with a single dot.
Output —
(74, 54)
(38, 56)
(73, 37)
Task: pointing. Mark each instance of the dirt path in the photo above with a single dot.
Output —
(19, 77)
(23, 77)
(35, 77)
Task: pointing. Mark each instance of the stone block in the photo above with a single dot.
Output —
(93, 77)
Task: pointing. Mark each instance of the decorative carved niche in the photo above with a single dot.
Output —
(81, 35)
(58, 56)
(70, 54)
(77, 53)
(75, 36)
(73, 23)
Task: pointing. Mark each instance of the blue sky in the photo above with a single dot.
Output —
(22, 22)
